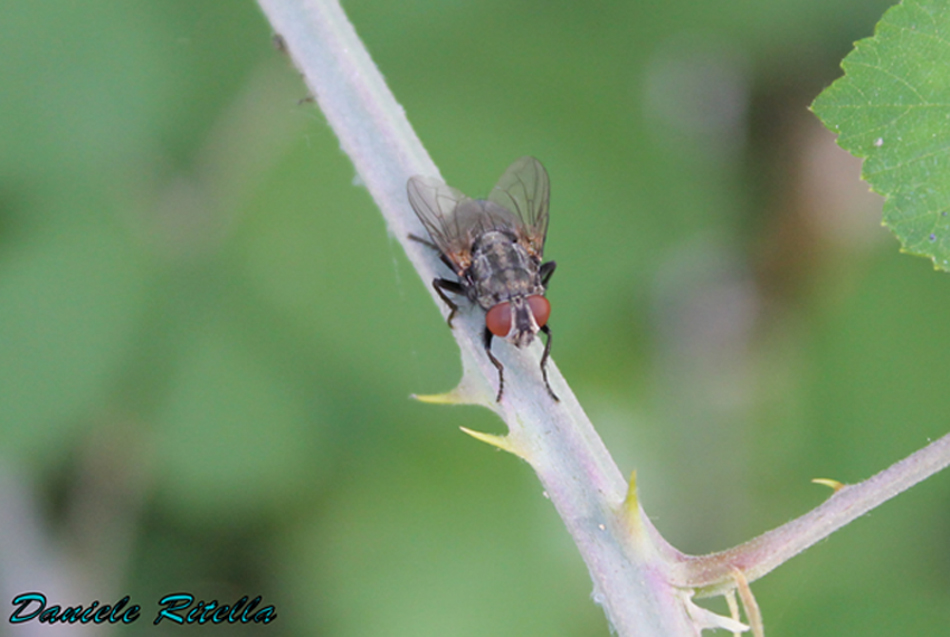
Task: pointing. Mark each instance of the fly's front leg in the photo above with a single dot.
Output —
(544, 358)
(424, 242)
(445, 259)
(497, 363)
(449, 286)
(546, 270)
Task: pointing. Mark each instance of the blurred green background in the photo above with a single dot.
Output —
(208, 340)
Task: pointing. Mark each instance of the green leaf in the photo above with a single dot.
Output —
(892, 109)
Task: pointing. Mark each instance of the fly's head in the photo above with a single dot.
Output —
(518, 319)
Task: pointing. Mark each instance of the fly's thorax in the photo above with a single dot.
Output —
(502, 270)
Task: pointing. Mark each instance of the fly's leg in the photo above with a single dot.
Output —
(494, 361)
(443, 284)
(544, 358)
(424, 242)
(546, 270)
(449, 286)
(429, 244)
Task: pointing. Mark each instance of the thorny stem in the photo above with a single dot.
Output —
(557, 439)
(642, 582)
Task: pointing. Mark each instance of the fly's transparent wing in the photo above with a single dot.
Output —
(435, 203)
(524, 189)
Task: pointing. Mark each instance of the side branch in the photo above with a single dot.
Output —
(711, 574)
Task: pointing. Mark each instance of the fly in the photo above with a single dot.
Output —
(495, 247)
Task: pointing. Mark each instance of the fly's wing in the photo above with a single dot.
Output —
(435, 204)
(524, 189)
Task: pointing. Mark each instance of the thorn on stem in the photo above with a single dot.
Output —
(502, 442)
(752, 613)
(828, 482)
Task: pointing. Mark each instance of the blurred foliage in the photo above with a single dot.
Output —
(891, 108)
(207, 340)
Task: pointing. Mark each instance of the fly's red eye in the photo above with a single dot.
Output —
(498, 319)
(541, 309)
